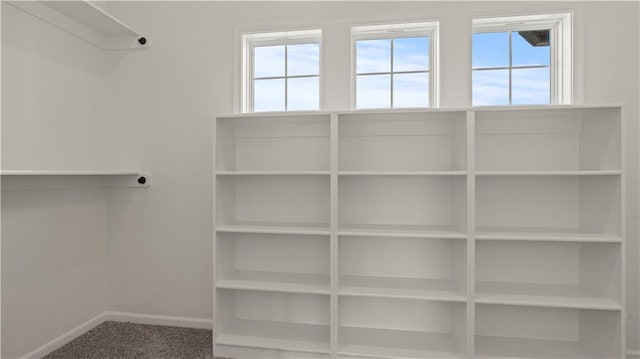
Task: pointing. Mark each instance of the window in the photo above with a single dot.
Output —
(395, 65)
(522, 60)
(282, 71)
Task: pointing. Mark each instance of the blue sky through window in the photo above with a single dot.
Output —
(286, 77)
(392, 72)
(491, 76)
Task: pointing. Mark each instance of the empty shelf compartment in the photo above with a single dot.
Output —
(401, 328)
(550, 333)
(272, 262)
(293, 322)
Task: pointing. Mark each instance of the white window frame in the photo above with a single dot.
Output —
(395, 31)
(561, 40)
(292, 37)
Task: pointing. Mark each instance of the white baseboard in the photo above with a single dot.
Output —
(185, 322)
(63, 339)
(633, 354)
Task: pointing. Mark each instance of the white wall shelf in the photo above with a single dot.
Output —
(34, 179)
(558, 236)
(86, 21)
(482, 232)
(411, 231)
(548, 301)
(300, 346)
(550, 173)
(273, 173)
(270, 228)
(402, 173)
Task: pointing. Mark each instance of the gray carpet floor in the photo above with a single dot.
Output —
(114, 340)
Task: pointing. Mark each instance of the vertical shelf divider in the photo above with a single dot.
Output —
(471, 230)
(623, 233)
(214, 262)
(333, 246)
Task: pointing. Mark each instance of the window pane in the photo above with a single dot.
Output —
(373, 91)
(268, 95)
(304, 93)
(303, 59)
(490, 49)
(268, 61)
(411, 54)
(530, 86)
(373, 56)
(523, 53)
(490, 87)
(411, 90)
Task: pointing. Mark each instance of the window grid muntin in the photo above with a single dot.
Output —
(510, 67)
(286, 71)
(391, 73)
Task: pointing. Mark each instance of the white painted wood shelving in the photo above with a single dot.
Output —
(39, 179)
(86, 21)
(482, 232)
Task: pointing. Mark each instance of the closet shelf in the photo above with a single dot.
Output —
(541, 295)
(70, 172)
(405, 231)
(86, 21)
(402, 173)
(494, 347)
(368, 351)
(272, 286)
(52, 179)
(550, 173)
(548, 301)
(543, 235)
(273, 173)
(399, 293)
(276, 282)
(275, 228)
(273, 343)
(401, 288)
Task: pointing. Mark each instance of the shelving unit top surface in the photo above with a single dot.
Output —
(423, 110)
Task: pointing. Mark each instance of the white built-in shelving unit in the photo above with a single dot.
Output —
(87, 21)
(481, 232)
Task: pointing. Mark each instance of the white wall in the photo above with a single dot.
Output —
(162, 102)
(53, 241)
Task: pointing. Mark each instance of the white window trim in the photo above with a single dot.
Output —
(560, 26)
(400, 30)
(292, 37)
